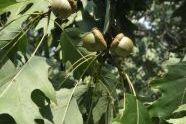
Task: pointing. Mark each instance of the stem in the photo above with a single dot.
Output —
(71, 95)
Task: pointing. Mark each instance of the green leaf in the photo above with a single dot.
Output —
(84, 21)
(73, 52)
(177, 120)
(66, 110)
(11, 32)
(46, 20)
(133, 112)
(100, 108)
(180, 12)
(4, 4)
(181, 119)
(107, 16)
(73, 111)
(108, 76)
(172, 88)
(7, 72)
(19, 12)
(70, 51)
(181, 108)
(15, 92)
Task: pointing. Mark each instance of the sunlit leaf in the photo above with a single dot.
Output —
(7, 72)
(67, 107)
(100, 108)
(19, 12)
(181, 119)
(177, 120)
(46, 20)
(15, 91)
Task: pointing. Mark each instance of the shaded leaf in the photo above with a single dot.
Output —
(172, 90)
(72, 50)
(4, 4)
(108, 76)
(88, 6)
(133, 112)
(6, 119)
(181, 11)
(84, 21)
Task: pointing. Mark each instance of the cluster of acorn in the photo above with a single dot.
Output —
(120, 46)
(94, 40)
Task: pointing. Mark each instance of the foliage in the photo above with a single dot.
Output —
(17, 90)
(48, 77)
(177, 116)
(133, 112)
(172, 91)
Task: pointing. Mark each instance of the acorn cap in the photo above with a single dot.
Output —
(99, 37)
(121, 45)
(94, 40)
(116, 40)
(73, 4)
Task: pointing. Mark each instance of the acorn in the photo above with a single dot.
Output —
(94, 40)
(121, 45)
(63, 8)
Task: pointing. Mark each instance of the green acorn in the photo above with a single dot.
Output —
(94, 40)
(121, 45)
(63, 8)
